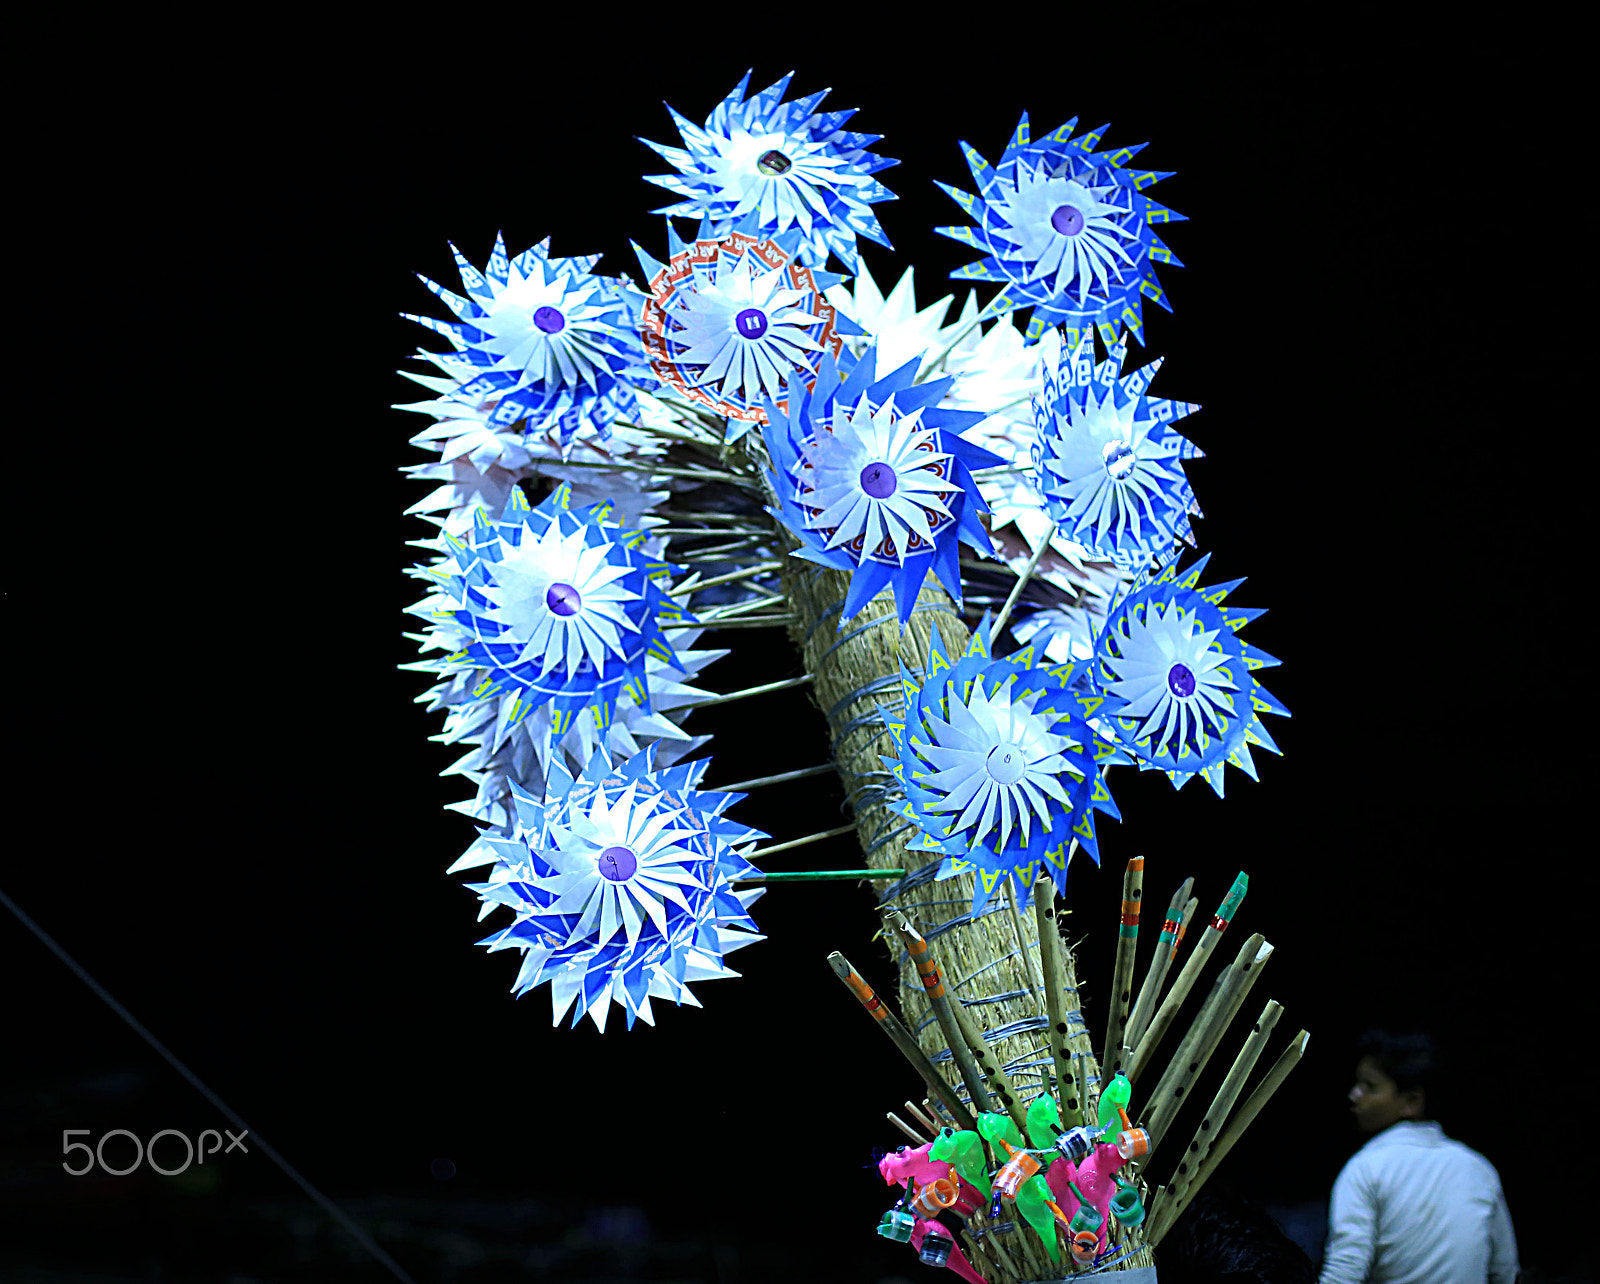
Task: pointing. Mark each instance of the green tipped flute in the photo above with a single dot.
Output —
(1186, 978)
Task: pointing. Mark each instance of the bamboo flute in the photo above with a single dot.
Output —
(900, 1037)
(1189, 1061)
(989, 1065)
(1156, 974)
(1188, 1177)
(1072, 1087)
(1235, 1129)
(1186, 978)
(1122, 976)
(933, 984)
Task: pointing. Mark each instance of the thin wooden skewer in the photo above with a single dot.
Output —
(933, 984)
(1236, 1127)
(1189, 1061)
(1186, 978)
(781, 778)
(759, 569)
(1022, 582)
(1055, 985)
(799, 842)
(1122, 974)
(915, 1111)
(766, 689)
(819, 875)
(901, 1038)
(906, 1128)
(1187, 1177)
(1156, 973)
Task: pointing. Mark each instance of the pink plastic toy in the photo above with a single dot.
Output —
(1095, 1176)
(903, 1165)
(957, 1261)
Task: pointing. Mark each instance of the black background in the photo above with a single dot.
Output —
(244, 838)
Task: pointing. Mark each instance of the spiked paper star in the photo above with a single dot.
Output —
(557, 607)
(1180, 688)
(541, 343)
(1066, 230)
(621, 883)
(873, 479)
(1000, 767)
(1107, 460)
(785, 164)
(732, 322)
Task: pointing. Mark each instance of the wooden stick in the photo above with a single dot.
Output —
(783, 777)
(1156, 974)
(1187, 1178)
(915, 1111)
(1055, 985)
(785, 685)
(1236, 1126)
(1189, 1061)
(901, 1038)
(906, 1128)
(799, 842)
(933, 984)
(1022, 582)
(1186, 978)
(1022, 945)
(820, 875)
(1122, 975)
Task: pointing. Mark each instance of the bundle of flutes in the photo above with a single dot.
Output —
(1022, 1146)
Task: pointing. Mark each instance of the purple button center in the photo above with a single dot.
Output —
(563, 599)
(751, 323)
(618, 864)
(773, 163)
(549, 319)
(1067, 220)
(1180, 680)
(878, 480)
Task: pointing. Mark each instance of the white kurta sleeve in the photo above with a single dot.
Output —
(1503, 1265)
(1352, 1227)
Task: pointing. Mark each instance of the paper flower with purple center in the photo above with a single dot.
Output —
(1001, 770)
(541, 343)
(555, 607)
(1180, 687)
(1107, 461)
(1066, 230)
(621, 881)
(736, 321)
(787, 165)
(872, 477)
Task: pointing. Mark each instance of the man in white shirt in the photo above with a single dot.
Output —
(1412, 1206)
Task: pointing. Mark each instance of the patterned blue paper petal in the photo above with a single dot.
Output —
(786, 166)
(620, 881)
(872, 477)
(542, 346)
(1180, 690)
(552, 607)
(1066, 231)
(1001, 769)
(1107, 461)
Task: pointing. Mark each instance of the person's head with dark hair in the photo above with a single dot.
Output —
(1224, 1238)
(1395, 1074)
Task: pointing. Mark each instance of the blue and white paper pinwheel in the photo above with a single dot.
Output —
(542, 344)
(1000, 767)
(1180, 687)
(786, 164)
(1107, 461)
(621, 883)
(554, 606)
(735, 321)
(1067, 232)
(872, 478)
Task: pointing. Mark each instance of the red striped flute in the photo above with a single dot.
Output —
(901, 1038)
(933, 985)
(1162, 1020)
(1122, 977)
(1156, 974)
